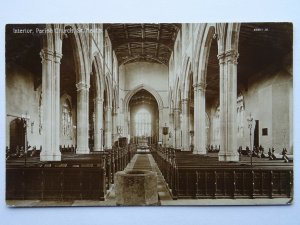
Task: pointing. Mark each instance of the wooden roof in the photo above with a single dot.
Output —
(135, 42)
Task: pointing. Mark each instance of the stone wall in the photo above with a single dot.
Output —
(268, 98)
(152, 75)
(21, 98)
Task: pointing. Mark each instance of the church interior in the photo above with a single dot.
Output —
(201, 111)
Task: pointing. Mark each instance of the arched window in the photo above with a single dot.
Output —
(40, 114)
(216, 127)
(66, 119)
(143, 123)
(240, 115)
(241, 122)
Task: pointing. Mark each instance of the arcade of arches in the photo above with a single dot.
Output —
(201, 81)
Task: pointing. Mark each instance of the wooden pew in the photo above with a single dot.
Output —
(194, 176)
(56, 183)
(76, 177)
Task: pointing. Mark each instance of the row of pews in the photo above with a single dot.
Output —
(203, 176)
(75, 177)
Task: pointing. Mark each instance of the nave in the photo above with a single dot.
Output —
(212, 103)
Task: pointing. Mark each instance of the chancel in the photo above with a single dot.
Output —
(149, 114)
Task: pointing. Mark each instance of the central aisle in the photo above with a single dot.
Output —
(146, 162)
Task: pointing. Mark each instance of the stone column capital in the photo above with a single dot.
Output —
(185, 101)
(98, 100)
(221, 58)
(46, 55)
(231, 56)
(185, 104)
(176, 110)
(82, 86)
(200, 86)
(107, 108)
(49, 55)
(57, 57)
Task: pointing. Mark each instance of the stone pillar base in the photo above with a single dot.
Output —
(199, 153)
(108, 140)
(56, 157)
(185, 149)
(232, 157)
(98, 149)
(82, 151)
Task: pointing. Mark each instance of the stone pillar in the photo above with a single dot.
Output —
(160, 125)
(98, 131)
(120, 123)
(177, 129)
(185, 125)
(171, 130)
(126, 131)
(51, 100)
(82, 118)
(108, 128)
(228, 97)
(199, 119)
(114, 125)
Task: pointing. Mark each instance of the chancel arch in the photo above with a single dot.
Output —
(159, 103)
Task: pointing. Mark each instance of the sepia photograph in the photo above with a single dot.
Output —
(149, 114)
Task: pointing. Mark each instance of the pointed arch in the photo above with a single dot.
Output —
(101, 77)
(81, 56)
(187, 71)
(98, 76)
(115, 99)
(177, 96)
(221, 29)
(171, 105)
(147, 88)
(232, 38)
(108, 89)
(197, 56)
(95, 78)
(204, 54)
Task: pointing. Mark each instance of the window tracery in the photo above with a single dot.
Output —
(143, 123)
(66, 119)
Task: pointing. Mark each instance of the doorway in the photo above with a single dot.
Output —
(17, 133)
